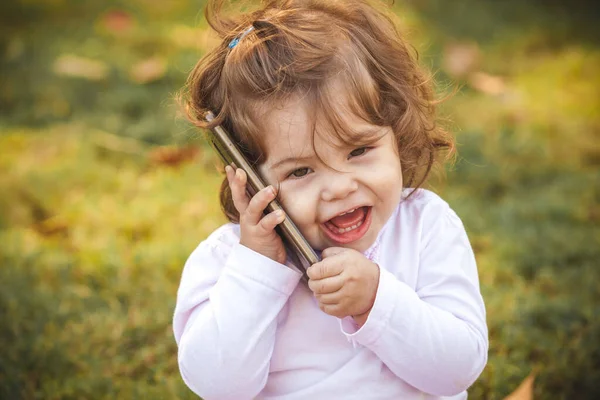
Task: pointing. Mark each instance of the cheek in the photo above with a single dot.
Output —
(297, 204)
(398, 174)
(387, 172)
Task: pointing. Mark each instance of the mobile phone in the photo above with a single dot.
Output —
(230, 153)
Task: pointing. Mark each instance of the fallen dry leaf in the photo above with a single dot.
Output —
(148, 70)
(460, 59)
(117, 21)
(486, 83)
(112, 142)
(80, 67)
(524, 391)
(173, 156)
(52, 226)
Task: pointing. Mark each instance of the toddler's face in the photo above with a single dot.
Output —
(342, 199)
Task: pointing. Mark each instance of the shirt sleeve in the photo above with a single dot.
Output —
(435, 337)
(226, 317)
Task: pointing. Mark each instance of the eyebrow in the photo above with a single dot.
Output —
(370, 140)
(289, 160)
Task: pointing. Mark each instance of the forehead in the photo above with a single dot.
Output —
(288, 128)
(294, 128)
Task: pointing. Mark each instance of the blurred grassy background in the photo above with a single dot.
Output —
(105, 190)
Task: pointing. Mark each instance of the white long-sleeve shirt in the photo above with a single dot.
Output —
(246, 328)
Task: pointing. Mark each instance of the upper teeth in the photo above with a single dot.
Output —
(347, 212)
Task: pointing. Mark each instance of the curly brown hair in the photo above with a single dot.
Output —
(298, 47)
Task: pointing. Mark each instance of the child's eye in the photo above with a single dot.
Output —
(358, 152)
(299, 173)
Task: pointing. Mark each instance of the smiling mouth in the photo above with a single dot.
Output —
(348, 226)
(348, 229)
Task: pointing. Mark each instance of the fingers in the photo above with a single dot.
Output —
(237, 182)
(325, 268)
(251, 210)
(344, 283)
(334, 310)
(257, 205)
(332, 251)
(325, 286)
(329, 298)
(271, 220)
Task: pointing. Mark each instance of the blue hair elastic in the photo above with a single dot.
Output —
(235, 41)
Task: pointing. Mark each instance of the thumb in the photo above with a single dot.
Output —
(332, 251)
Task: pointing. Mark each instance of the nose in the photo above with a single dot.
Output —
(338, 185)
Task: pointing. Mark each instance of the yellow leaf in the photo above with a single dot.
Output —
(148, 70)
(524, 391)
(80, 67)
(461, 58)
(52, 226)
(487, 83)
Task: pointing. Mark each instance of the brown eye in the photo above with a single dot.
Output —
(358, 152)
(300, 172)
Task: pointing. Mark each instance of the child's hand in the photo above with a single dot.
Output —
(257, 231)
(344, 283)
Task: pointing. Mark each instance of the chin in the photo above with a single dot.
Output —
(362, 245)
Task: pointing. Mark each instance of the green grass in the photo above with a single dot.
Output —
(95, 232)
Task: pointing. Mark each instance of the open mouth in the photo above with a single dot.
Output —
(349, 226)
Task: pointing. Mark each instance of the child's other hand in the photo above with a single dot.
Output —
(344, 283)
(257, 231)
